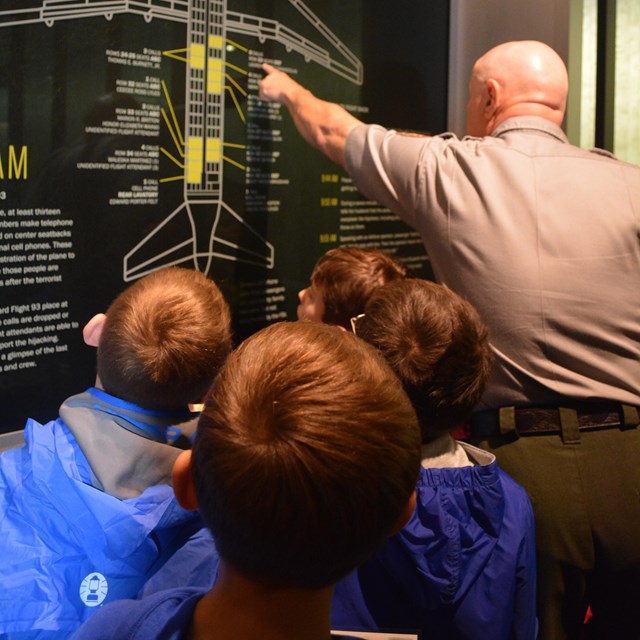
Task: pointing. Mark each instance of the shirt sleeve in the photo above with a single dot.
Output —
(386, 167)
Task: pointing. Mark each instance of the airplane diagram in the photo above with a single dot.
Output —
(197, 230)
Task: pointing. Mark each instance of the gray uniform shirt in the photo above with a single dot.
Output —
(541, 236)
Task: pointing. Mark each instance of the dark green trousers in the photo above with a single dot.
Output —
(585, 490)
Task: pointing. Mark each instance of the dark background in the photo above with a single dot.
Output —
(54, 80)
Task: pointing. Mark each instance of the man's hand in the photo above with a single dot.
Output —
(276, 86)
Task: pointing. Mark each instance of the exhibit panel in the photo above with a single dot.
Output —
(132, 138)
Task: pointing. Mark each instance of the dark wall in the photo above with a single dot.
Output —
(96, 186)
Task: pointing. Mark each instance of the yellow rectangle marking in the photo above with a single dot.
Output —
(216, 42)
(213, 150)
(194, 160)
(197, 55)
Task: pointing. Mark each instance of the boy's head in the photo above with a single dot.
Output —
(342, 281)
(163, 339)
(306, 455)
(438, 346)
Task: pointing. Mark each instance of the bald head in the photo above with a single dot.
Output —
(525, 78)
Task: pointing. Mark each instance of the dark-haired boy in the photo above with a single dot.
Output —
(297, 490)
(342, 281)
(464, 565)
(87, 513)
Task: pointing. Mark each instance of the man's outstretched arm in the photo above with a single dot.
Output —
(324, 125)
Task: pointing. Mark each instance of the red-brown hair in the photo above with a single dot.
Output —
(165, 338)
(306, 455)
(347, 276)
(438, 346)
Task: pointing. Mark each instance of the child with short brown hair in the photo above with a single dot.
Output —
(464, 566)
(343, 280)
(87, 511)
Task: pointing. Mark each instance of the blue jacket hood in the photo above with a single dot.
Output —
(463, 566)
(66, 546)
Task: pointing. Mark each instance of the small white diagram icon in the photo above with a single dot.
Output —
(93, 589)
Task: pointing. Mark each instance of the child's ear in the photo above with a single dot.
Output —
(405, 516)
(183, 482)
(93, 330)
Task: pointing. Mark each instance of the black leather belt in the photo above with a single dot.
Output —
(548, 420)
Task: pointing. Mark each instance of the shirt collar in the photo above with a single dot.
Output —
(531, 123)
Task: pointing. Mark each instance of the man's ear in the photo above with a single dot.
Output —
(183, 482)
(405, 516)
(493, 94)
(93, 330)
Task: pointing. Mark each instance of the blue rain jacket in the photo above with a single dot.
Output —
(162, 616)
(463, 567)
(68, 547)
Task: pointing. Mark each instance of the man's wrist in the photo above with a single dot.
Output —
(295, 95)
